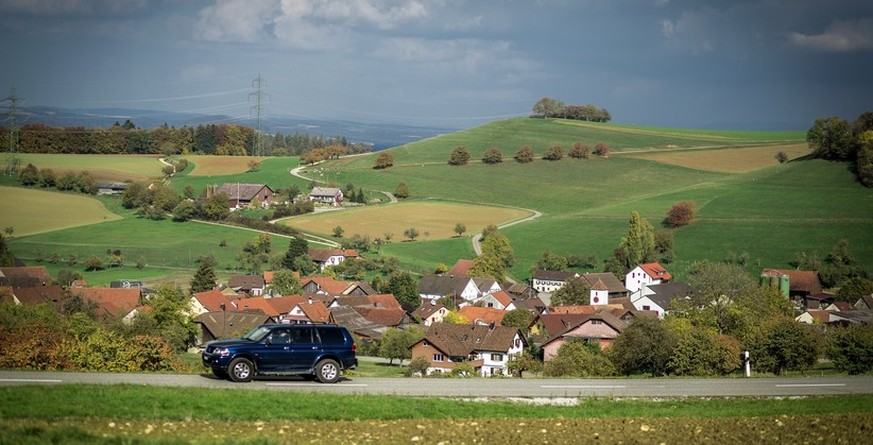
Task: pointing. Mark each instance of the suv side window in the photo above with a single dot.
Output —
(331, 336)
(302, 335)
(280, 337)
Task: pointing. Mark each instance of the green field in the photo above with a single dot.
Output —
(757, 207)
(90, 414)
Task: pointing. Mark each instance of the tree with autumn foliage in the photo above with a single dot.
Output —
(681, 214)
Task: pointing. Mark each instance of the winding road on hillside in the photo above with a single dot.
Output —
(554, 390)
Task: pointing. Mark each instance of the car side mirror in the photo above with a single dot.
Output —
(268, 341)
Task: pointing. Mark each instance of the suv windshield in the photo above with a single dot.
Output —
(256, 334)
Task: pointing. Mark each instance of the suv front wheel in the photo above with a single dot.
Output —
(241, 370)
(327, 371)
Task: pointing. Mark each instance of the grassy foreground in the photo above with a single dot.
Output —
(140, 414)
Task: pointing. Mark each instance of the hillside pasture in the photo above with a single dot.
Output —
(104, 168)
(275, 172)
(433, 220)
(30, 211)
(725, 160)
(207, 165)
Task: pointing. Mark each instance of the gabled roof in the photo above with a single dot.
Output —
(385, 316)
(820, 315)
(348, 317)
(579, 309)
(315, 312)
(552, 275)
(604, 316)
(224, 323)
(842, 306)
(656, 271)
(858, 316)
(519, 289)
(376, 301)
(109, 301)
(283, 305)
(482, 315)
(534, 304)
(30, 296)
(799, 280)
(502, 297)
(427, 309)
(322, 255)
(24, 276)
(242, 192)
(663, 294)
(442, 285)
(327, 284)
(325, 191)
(246, 282)
(485, 284)
(258, 303)
(557, 323)
(865, 302)
(460, 268)
(460, 340)
(213, 299)
(610, 281)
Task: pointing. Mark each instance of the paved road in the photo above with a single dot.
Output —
(527, 388)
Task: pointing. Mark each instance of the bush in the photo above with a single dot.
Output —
(555, 153)
(524, 155)
(601, 149)
(702, 352)
(851, 349)
(492, 156)
(417, 367)
(460, 156)
(785, 345)
(577, 359)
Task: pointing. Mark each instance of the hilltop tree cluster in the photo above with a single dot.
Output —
(834, 139)
(210, 139)
(461, 155)
(548, 107)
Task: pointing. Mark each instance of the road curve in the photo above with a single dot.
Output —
(481, 387)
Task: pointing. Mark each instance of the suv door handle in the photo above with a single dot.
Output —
(315, 347)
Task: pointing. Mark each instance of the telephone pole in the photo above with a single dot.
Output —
(258, 107)
(13, 164)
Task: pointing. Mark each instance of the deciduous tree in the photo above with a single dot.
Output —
(460, 156)
(492, 156)
(831, 138)
(404, 288)
(644, 346)
(681, 214)
(383, 160)
(524, 155)
(555, 153)
(574, 292)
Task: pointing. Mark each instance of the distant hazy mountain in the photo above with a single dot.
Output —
(380, 135)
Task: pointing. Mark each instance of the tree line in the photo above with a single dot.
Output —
(548, 107)
(207, 139)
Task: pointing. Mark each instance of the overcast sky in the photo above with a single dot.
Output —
(753, 64)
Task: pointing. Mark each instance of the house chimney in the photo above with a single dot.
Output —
(433, 302)
(310, 300)
(491, 326)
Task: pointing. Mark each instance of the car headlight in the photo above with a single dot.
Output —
(224, 352)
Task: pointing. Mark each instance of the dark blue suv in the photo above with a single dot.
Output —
(313, 351)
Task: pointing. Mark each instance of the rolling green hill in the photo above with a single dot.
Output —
(767, 212)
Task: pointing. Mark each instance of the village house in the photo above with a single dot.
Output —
(482, 315)
(613, 286)
(253, 285)
(497, 300)
(461, 289)
(327, 195)
(243, 195)
(213, 300)
(657, 298)
(600, 327)
(109, 302)
(330, 286)
(548, 281)
(804, 288)
(430, 312)
(308, 312)
(644, 275)
(225, 324)
(331, 257)
(24, 276)
(486, 348)
(34, 295)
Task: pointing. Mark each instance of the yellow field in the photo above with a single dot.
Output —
(726, 160)
(30, 211)
(221, 165)
(433, 220)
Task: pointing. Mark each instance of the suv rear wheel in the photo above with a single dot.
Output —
(327, 371)
(241, 370)
(219, 373)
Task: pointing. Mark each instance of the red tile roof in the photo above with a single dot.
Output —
(460, 268)
(315, 312)
(26, 275)
(116, 302)
(656, 271)
(213, 299)
(502, 297)
(477, 315)
(588, 309)
(38, 294)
